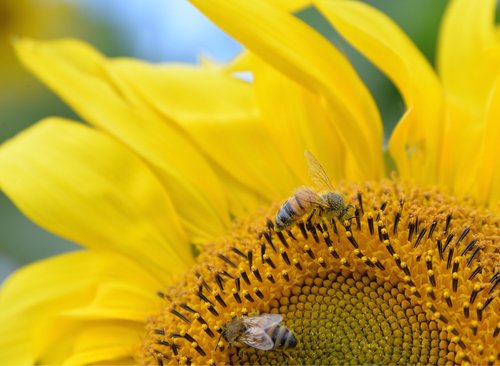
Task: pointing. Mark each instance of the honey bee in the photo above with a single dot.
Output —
(262, 332)
(306, 200)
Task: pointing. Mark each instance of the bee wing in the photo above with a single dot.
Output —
(317, 173)
(262, 321)
(306, 194)
(256, 337)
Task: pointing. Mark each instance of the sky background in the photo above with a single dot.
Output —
(160, 30)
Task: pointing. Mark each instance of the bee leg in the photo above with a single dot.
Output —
(348, 213)
(310, 216)
(238, 350)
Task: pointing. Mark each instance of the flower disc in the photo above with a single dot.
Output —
(411, 279)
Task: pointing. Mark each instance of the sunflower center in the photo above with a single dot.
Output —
(410, 279)
(353, 318)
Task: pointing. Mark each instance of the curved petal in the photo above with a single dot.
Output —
(296, 120)
(185, 94)
(302, 54)
(486, 179)
(87, 88)
(89, 342)
(468, 63)
(464, 60)
(88, 188)
(416, 142)
(242, 201)
(293, 5)
(90, 349)
(36, 294)
(247, 154)
(115, 300)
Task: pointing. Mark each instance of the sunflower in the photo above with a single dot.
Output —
(174, 187)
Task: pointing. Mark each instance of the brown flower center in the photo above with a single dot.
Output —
(411, 279)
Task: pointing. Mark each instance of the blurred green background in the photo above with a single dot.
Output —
(155, 30)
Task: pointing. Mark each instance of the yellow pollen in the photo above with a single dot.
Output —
(413, 281)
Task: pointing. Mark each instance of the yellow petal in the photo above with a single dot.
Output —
(296, 120)
(416, 142)
(242, 201)
(185, 94)
(485, 174)
(89, 342)
(247, 154)
(299, 52)
(468, 133)
(38, 292)
(195, 189)
(292, 5)
(88, 188)
(464, 59)
(468, 63)
(116, 300)
(99, 344)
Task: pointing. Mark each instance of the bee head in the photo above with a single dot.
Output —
(349, 212)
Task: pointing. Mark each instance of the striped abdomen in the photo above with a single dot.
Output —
(303, 201)
(282, 337)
